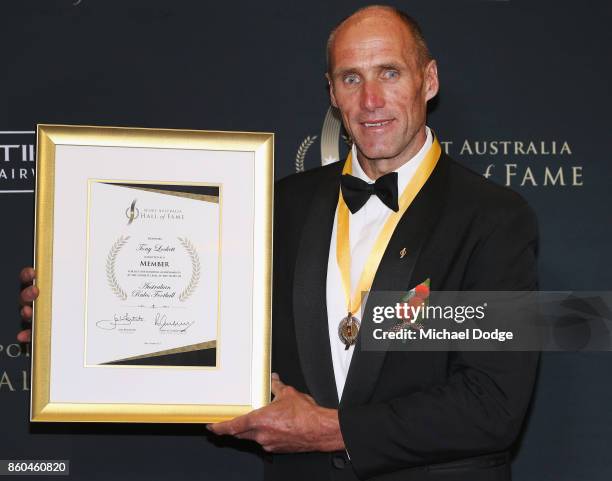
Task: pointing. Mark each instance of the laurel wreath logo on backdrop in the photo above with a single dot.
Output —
(111, 275)
(330, 140)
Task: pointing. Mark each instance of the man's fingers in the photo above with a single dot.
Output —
(26, 313)
(28, 295)
(27, 275)
(233, 427)
(25, 336)
(249, 435)
(277, 385)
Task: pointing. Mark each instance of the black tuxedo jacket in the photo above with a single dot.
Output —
(406, 415)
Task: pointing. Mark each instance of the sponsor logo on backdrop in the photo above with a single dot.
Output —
(16, 379)
(17, 162)
(517, 163)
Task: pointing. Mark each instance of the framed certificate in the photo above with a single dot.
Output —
(153, 258)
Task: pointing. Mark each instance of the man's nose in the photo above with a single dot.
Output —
(372, 96)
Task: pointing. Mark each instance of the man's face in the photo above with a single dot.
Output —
(380, 87)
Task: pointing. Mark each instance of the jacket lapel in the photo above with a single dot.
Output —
(395, 273)
(309, 298)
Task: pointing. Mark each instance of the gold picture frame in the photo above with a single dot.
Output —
(64, 150)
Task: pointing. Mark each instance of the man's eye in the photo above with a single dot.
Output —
(391, 74)
(351, 79)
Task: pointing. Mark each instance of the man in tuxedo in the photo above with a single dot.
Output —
(344, 413)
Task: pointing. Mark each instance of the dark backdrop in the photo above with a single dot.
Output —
(531, 75)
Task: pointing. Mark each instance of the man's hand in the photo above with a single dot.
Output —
(28, 294)
(292, 423)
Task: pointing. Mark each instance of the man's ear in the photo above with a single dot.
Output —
(430, 80)
(332, 96)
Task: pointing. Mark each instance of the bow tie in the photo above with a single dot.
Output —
(356, 192)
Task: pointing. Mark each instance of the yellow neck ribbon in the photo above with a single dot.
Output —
(343, 245)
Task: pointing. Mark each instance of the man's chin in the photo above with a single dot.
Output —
(375, 154)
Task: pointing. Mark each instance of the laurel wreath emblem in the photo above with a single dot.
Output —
(111, 259)
(301, 153)
(347, 140)
(195, 269)
(111, 276)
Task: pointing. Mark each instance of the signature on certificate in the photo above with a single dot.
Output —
(118, 320)
(161, 321)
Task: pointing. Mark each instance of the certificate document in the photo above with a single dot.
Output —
(153, 270)
(154, 262)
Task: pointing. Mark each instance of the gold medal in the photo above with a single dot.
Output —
(348, 329)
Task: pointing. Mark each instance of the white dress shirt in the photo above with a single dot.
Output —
(365, 225)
